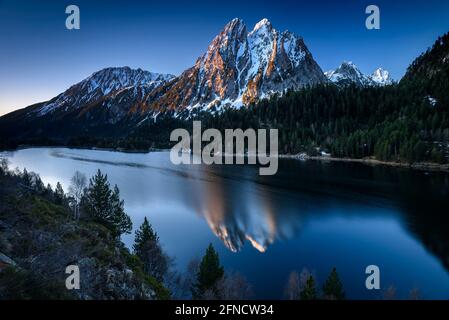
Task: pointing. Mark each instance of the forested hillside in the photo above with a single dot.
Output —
(406, 121)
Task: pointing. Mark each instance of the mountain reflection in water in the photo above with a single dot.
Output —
(235, 217)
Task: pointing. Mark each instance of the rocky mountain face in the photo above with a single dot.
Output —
(348, 73)
(111, 88)
(239, 68)
(381, 77)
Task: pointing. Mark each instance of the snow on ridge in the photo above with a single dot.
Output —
(101, 83)
(261, 24)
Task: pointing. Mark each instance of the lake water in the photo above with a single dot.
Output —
(315, 215)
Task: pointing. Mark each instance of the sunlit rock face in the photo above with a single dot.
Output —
(239, 68)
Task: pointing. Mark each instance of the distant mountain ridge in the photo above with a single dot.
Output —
(110, 95)
(103, 83)
(348, 73)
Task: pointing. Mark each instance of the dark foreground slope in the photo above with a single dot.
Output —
(38, 239)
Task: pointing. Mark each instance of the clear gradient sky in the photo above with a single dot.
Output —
(39, 57)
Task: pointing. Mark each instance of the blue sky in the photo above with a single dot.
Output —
(40, 58)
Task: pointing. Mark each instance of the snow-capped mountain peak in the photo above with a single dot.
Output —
(348, 73)
(381, 77)
(239, 68)
(264, 25)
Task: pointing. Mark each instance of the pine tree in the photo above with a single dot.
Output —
(37, 183)
(59, 194)
(147, 248)
(333, 288)
(105, 205)
(49, 192)
(26, 178)
(97, 198)
(209, 273)
(120, 220)
(309, 290)
(4, 163)
(144, 234)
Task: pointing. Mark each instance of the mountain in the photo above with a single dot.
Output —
(428, 75)
(407, 122)
(239, 68)
(109, 82)
(348, 73)
(431, 63)
(93, 106)
(381, 77)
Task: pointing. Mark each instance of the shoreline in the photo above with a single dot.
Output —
(23, 147)
(422, 166)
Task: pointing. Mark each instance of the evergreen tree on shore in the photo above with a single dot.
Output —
(309, 290)
(333, 288)
(148, 249)
(97, 198)
(120, 220)
(105, 206)
(209, 273)
(59, 194)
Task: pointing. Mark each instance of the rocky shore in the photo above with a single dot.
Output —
(39, 239)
